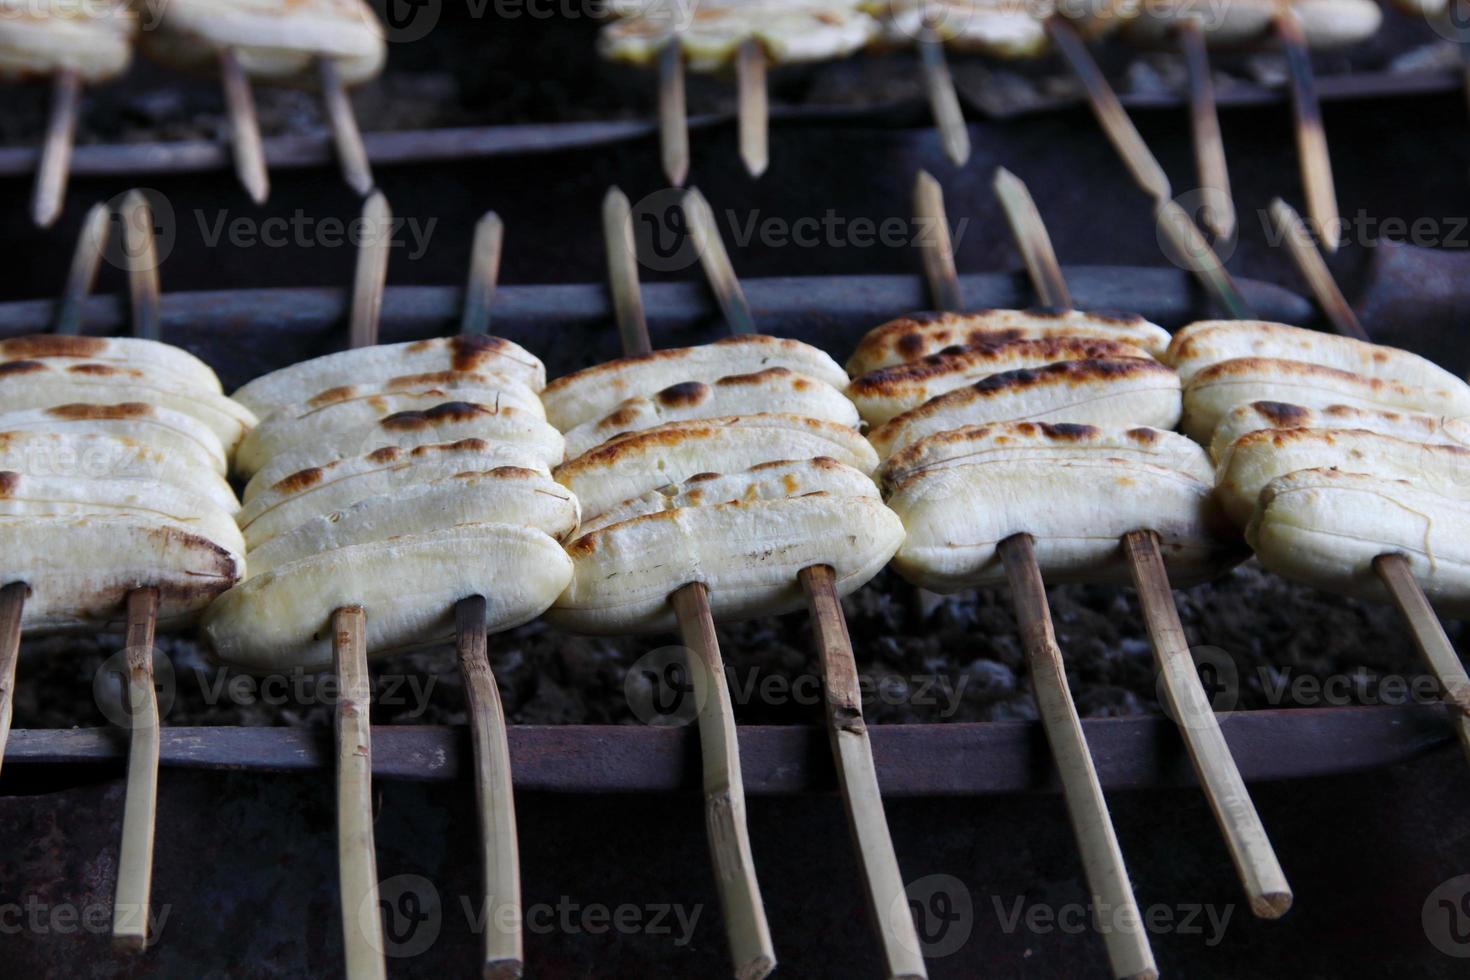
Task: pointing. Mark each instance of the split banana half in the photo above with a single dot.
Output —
(92, 456)
(709, 33)
(158, 361)
(39, 39)
(1326, 23)
(165, 430)
(1413, 426)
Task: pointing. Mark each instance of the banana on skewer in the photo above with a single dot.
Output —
(1256, 416)
(1325, 23)
(94, 455)
(155, 361)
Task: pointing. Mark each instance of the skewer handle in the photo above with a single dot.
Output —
(371, 273)
(1209, 144)
(504, 949)
(754, 107)
(858, 777)
(479, 292)
(716, 262)
(937, 249)
(244, 127)
(357, 859)
(673, 120)
(351, 153)
(1193, 252)
(622, 273)
(130, 907)
(724, 790)
(144, 290)
(61, 131)
(1311, 138)
(1102, 859)
(944, 101)
(12, 605)
(1310, 264)
(1430, 638)
(85, 260)
(1245, 836)
(1033, 240)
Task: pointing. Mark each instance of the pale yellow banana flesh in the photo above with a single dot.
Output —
(1233, 23)
(94, 40)
(710, 33)
(774, 390)
(366, 365)
(595, 392)
(1413, 426)
(997, 29)
(408, 585)
(501, 496)
(179, 435)
(162, 362)
(747, 554)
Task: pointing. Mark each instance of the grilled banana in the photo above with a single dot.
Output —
(1126, 391)
(175, 433)
(505, 495)
(772, 391)
(710, 33)
(364, 365)
(1413, 426)
(446, 422)
(1325, 527)
(594, 393)
(1202, 345)
(282, 619)
(351, 413)
(91, 456)
(749, 554)
(80, 570)
(1259, 458)
(1326, 23)
(161, 362)
(1217, 390)
(36, 384)
(1040, 441)
(913, 337)
(888, 392)
(994, 28)
(627, 467)
(39, 39)
(1077, 510)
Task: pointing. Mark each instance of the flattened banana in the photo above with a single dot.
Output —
(1413, 426)
(1326, 23)
(1325, 527)
(505, 495)
(774, 390)
(1217, 390)
(913, 337)
(1201, 345)
(521, 432)
(888, 392)
(81, 569)
(1042, 441)
(769, 481)
(748, 554)
(39, 39)
(36, 384)
(323, 489)
(996, 29)
(88, 455)
(1078, 511)
(163, 429)
(624, 468)
(282, 619)
(162, 362)
(364, 365)
(595, 392)
(355, 412)
(148, 500)
(1108, 393)
(1261, 457)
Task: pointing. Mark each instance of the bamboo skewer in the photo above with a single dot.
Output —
(716, 261)
(944, 100)
(938, 250)
(673, 119)
(479, 293)
(1209, 145)
(12, 605)
(130, 908)
(61, 131)
(754, 107)
(1194, 254)
(622, 273)
(346, 135)
(357, 862)
(245, 141)
(1127, 944)
(372, 269)
(1309, 262)
(1245, 836)
(1109, 111)
(851, 748)
(85, 260)
(1311, 139)
(144, 291)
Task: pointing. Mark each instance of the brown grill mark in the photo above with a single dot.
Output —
(103, 371)
(672, 354)
(125, 410)
(52, 345)
(300, 480)
(1283, 415)
(21, 367)
(388, 454)
(1072, 372)
(471, 350)
(685, 394)
(756, 377)
(9, 483)
(332, 395)
(895, 378)
(428, 418)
